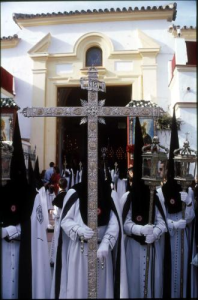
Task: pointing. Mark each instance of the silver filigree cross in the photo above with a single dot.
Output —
(91, 112)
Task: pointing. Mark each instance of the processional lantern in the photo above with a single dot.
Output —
(185, 164)
(8, 111)
(153, 155)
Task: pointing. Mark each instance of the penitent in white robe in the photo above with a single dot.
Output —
(136, 259)
(74, 273)
(41, 273)
(10, 262)
(175, 239)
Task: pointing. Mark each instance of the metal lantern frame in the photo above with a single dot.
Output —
(183, 158)
(8, 112)
(151, 156)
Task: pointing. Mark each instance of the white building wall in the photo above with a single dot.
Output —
(123, 36)
(186, 80)
(189, 117)
(180, 51)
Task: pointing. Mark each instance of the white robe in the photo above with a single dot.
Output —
(41, 273)
(175, 240)
(121, 187)
(194, 268)
(136, 259)
(50, 198)
(114, 177)
(10, 262)
(56, 217)
(74, 275)
(44, 202)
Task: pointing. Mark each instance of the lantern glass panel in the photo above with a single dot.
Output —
(185, 169)
(146, 167)
(162, 169)
(178, 168)
(6, 161)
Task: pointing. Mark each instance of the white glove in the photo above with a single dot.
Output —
(4, 233)
(86, 232)
(13, 232)
(185, 198)
(103, 251)
(170, 224)
(181, 224)
(146, 229)
(195, 260)
(157, 232)
(150, 238)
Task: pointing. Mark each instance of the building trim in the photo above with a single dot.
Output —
(189, 34)
(182, 68)
(23, 20)
(12, 43)
(178, 105)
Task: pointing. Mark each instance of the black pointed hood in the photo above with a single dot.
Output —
(171, 188)
(139, 195)
(15, 192)
(38, 180)
(140, 191)
(104, 197)
(81, 189)
(18, 168)
(32, 183)
(31, 176)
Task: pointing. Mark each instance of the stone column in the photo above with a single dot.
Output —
(149, 76)
(38, 124)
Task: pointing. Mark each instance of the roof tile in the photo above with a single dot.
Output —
(173, 6)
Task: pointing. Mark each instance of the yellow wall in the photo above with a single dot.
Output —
(46, 80)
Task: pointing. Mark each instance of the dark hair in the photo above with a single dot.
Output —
(51, 164)
(57, 169)
(62, 183)
(42, 174)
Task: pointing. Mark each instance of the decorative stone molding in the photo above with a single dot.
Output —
(9, 42)
(188, 33)
(42, 46)
(166, 12)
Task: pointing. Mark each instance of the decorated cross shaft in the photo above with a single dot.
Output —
(92, 112)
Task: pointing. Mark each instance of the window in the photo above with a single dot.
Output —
(94, 57)
(191, 53)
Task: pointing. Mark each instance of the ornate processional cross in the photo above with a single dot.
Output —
(92, 112)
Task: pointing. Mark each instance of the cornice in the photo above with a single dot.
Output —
(4, 92)
(9, 43)
(185, 105)
(181, 68)
(41, 46)
(187, 33)
(185, 68)
(101, 70)
(150, 13)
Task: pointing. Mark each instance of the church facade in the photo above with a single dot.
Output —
(138, 49)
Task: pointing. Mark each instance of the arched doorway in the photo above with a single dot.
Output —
(72, 137)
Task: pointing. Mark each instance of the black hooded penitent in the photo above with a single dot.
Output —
(139, 195)
(171, 188)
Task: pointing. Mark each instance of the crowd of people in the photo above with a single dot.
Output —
(137, 257)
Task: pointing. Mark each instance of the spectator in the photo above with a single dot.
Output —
(49, 173)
